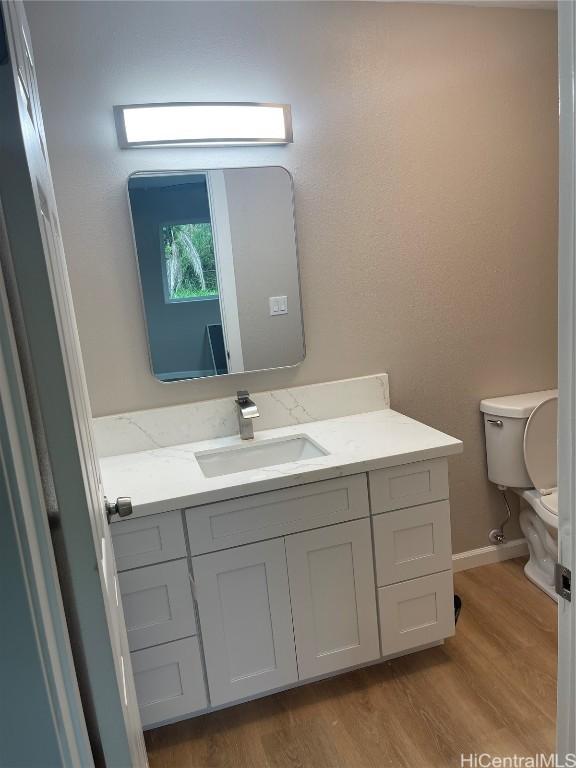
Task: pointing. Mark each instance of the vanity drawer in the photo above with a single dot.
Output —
(157, 603)
(269, 515)
(416, 612)
(169, 681)
(148, 540)
(408, 485)
(413, 542)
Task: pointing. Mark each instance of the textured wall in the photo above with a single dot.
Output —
(425, 167)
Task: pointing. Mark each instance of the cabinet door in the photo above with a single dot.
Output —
(408, 485)
(270, 515)
(244, 609)
(412, 542)
(416, 612)
(157, 602)
(146, 540)
(333, 597)
(169, 681)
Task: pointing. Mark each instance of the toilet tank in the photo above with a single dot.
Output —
(505, 420)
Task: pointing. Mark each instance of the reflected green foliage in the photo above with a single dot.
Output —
(189, 260)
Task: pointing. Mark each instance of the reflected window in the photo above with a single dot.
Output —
(189, 264)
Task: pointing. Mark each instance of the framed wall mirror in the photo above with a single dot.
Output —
(218, 268)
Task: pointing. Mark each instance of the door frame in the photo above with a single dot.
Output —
(224, 256)
(566, 718)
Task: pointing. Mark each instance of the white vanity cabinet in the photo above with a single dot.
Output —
(237, 598)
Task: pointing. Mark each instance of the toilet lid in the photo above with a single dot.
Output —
(540, 445)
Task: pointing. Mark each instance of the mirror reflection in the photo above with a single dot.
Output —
(218, 270)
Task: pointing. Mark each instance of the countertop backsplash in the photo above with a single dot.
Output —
(209, 419)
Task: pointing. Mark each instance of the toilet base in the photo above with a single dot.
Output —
(542, 540)
(534, 575)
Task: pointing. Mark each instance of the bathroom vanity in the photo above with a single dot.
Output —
(236, 585)
(318, 544)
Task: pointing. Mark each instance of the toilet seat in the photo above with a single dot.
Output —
(550, 501)
(541, 452)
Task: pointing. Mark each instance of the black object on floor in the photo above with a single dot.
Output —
(457, 607)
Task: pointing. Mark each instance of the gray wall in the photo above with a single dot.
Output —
(425, 167)
(260, 209)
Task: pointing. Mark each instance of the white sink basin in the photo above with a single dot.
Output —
(267, 453)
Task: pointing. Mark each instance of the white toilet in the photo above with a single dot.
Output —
(521, 450)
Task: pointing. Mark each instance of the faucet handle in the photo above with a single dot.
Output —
(247, 407)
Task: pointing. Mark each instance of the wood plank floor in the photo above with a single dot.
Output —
(491, 688)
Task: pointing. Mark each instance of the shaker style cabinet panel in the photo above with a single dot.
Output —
(147, 540)
(416, 612)
(408, 485)
(414, 542)
(333, 597)
(157, 602)
(244, 608)
(268, 515)
(169, 681)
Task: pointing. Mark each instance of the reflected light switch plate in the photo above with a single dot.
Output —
(278, 305)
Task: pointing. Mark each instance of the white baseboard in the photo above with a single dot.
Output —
(494, 553)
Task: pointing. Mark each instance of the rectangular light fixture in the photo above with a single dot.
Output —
(202, 124)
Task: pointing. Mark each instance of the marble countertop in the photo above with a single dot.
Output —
(163, 479)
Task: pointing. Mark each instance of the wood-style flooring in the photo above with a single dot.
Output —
(491, 688)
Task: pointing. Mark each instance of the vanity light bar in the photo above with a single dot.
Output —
(184, 124)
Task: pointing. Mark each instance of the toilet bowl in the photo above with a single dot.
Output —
(521, 451)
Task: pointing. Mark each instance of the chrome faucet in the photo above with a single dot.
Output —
(247, 410)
